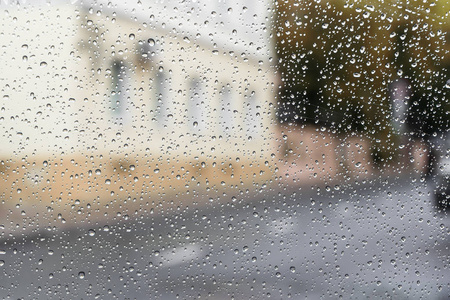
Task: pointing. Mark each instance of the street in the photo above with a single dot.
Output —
(379, 239)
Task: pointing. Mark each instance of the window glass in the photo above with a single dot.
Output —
(252, 116)
(226, 109)
(231, 149)
(119, 97)
(161, 88)
(196, 104)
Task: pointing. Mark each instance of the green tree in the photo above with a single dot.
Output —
(337, 61)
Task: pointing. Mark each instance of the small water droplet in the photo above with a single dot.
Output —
(81, 275)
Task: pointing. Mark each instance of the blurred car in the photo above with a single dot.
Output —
(441, 170)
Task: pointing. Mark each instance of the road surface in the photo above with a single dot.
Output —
(380, 239)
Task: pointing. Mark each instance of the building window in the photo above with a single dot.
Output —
(161, 105)
(196, 105)
(252, 115)
(119, 91)
(226, 109)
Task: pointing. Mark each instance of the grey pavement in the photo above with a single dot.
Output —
(378, 239)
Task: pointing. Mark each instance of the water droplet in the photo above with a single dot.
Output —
(131, 36)
(156, 171)
(292, 269)
(43, 64)
(81, 275)
(91, 232)
(151, 42)
(107, 181)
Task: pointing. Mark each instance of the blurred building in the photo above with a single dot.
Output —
(108, 105)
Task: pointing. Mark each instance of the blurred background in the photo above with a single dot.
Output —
(224, 149)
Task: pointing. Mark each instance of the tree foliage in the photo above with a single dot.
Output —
(337, 61)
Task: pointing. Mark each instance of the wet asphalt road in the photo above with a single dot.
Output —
(381, 239)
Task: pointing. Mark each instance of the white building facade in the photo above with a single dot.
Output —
(104, 101)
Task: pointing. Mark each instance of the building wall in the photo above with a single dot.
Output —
(70, 152)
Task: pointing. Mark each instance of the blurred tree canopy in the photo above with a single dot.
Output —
(337, 61)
